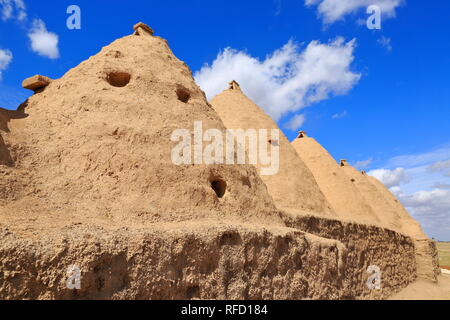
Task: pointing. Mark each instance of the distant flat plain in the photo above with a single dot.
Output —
(444, 254)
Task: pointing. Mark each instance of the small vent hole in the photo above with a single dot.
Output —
(118, 79)
(219, 186)
(183, 94)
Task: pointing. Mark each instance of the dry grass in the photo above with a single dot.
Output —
(444, 253)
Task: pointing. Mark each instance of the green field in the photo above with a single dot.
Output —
(444, 253)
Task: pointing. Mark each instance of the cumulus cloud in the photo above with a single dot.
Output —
(296, 122)
(432, 209)
(6, 57)
(423, 198)
(287, 80)
(397, 191)
(43, 42)
(331, 11)
(13, 9)
(427, 194)
(390, 178)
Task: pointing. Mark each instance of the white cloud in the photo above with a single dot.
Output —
(441, 166)
(439, 185)
(43, 42)
(427, 194)
(421, 159)
(341, 115)
(287, 80)
(432, 209)
(13, 9)
(396, 190)
(390, 178)
(385, 43)
(331, 11)
(363, 164)
(296, 122)
(422, 198)
(6, 57)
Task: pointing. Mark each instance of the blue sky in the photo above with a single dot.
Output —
(381, 101)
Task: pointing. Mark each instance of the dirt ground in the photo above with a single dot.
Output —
(425, 290)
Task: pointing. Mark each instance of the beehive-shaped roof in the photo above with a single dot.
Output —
(409, 225)
(387, 214)
(339, 190)
(394, 216)
(293, 187)
(97, 142)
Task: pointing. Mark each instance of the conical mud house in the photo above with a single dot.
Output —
(92, 205)
(342, 194)
(394, 216)
(301, 193)
(366, 200)
(370, 231)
